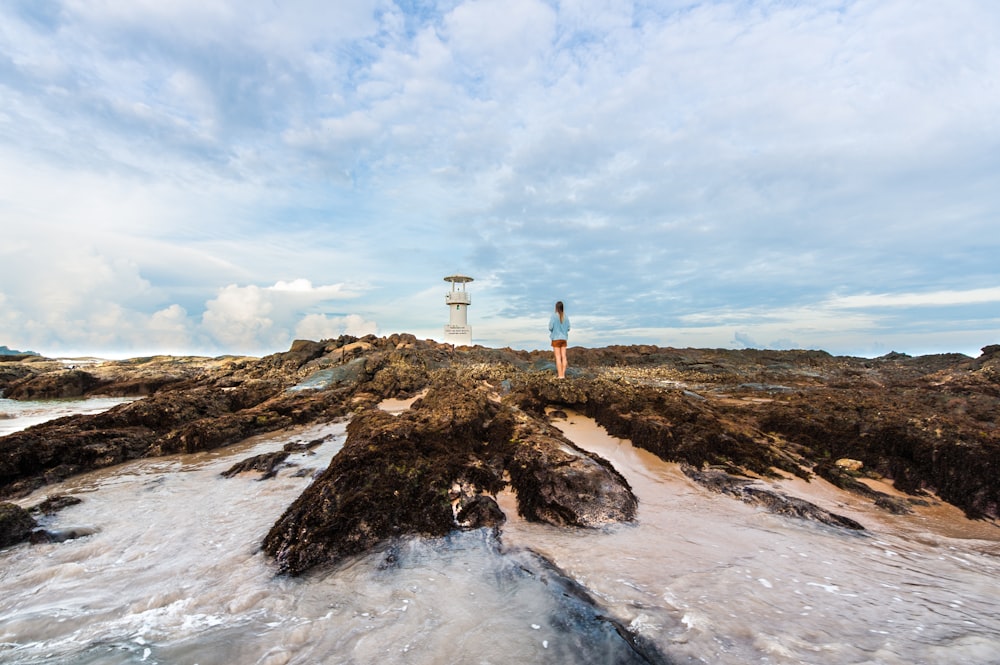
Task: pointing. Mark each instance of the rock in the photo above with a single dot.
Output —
(434, 468)
(594, 635)
(394, 477)
(852, 465)
(558, 483)
(53, 385)
(990, 350)
(16, 524)
(198, 417)
(926, 424)
(304, 446)
(750, 492)
(266, 463)
(479, 511)
(61, 535)
(843, 477)
(53, 504)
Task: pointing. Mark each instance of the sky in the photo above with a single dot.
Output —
(223, 177)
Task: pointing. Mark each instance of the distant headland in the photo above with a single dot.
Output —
(5, 351)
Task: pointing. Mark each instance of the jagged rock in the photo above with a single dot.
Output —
(393, 477)
(432, 469)
(842, 476)
(558, 483)
(266, 463)
(16, 524)
(304, 446)
(172, 420)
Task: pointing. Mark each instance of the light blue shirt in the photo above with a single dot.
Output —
(558, 329)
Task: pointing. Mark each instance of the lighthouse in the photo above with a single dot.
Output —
(458, 330)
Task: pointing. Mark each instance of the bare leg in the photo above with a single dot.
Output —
(561, 362)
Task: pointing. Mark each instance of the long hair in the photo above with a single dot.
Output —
(559, 310)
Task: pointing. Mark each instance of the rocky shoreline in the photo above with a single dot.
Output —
(927, 424)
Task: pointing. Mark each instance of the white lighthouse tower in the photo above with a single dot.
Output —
(458, 330)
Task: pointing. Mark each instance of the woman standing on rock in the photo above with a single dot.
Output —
(559, 334)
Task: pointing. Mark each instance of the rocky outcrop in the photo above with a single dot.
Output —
(54, 385)
(42, 378)
(928, 425)
(558, 483)
(227, 402)
(436, 467)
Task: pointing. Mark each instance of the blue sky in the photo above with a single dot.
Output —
(213, 176)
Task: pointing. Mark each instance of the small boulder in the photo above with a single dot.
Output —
(848, 464)
(16, 524)
(53, 504)
(39, 536)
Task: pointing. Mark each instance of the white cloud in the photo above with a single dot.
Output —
(320, 326)
(500, 33)
(170, 330)
(240, 318)
(928, 299)
(253, 319)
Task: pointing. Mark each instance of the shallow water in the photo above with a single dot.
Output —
(16, 415)
(718, 581)
(175, 575)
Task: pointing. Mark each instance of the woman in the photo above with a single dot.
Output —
(559, 334)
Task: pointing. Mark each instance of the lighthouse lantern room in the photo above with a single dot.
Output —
(458, 330)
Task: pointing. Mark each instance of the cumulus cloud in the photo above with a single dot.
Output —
(252, 318)
(320, 326)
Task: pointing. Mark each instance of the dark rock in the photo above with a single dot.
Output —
(478, 512)
(304, 446)
(400, 474)
(16, 524)
(893, 504)
(266, 463)
(53, 504)
(844, 480)
(593, 635)
(53, 385)
(61, 535)
(779, 503)
(990, 350)
(558, 483)
(198, 417)
(394, 477)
